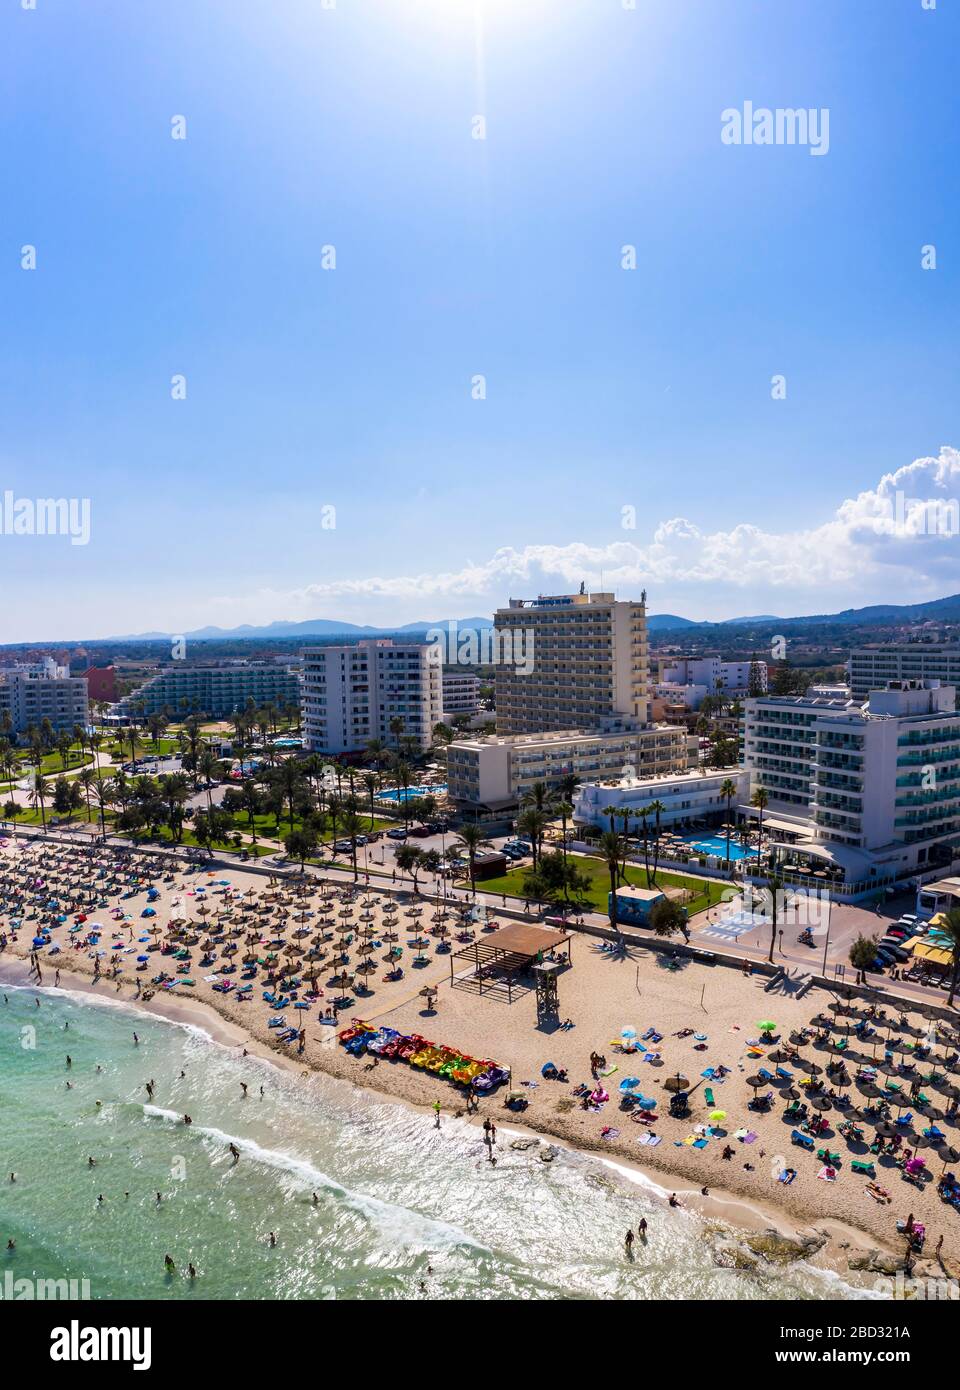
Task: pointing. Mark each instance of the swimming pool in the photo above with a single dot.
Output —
(717, 844)
(408, 793)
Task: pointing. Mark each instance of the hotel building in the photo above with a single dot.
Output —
(873, 786)
(873, 668)
(215, 691)
(351, 694)
(493, 774)
(461, 693)
(586, 660)
(31, 693)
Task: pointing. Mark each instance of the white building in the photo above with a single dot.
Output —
(685, 796)
(713, 676)
(352, 694)
(880, 781)
(461, 694)
(873, 668)
(495, 772)
(577, 659)
(33, 692)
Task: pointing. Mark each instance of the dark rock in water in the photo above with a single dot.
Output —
(875, 1262)
(524, 1144)
(732, 1257)
(782, 1250)
(549, 1154)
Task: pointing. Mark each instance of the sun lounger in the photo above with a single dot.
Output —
(708, 1096)
(858, 1165)
(804, 1141)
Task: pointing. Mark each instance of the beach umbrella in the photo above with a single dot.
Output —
(756, 1082)
(931, 1112)
(869, 1089)
(790, 1093)
(676, 1083)
(819, 1103)
(716, 1116)
(812, 1068)
(948, 1154)
(886, 1130)
(767, 1027)
(342, 981)
(780, 1056)
(799, 1039)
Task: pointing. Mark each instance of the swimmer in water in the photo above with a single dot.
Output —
(236, 1153)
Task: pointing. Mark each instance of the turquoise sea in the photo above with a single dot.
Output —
(402, 1210)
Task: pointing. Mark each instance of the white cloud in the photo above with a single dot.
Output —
(863, 549)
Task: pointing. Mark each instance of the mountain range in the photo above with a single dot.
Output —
(944, 609)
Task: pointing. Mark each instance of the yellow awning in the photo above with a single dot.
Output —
(936, 955)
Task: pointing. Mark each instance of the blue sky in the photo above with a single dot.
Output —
(605, 388)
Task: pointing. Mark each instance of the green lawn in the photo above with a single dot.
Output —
(708, 892)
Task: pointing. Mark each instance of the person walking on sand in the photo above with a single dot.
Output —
(436, 1111)
(642, 1228)
(628, 1242)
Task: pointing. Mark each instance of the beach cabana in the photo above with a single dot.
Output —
(498, 959)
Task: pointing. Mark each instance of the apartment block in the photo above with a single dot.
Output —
(461, 693)
(352, 694)
(31, 693)
(586, 660)
(881, 776)
(494, 773)
(214, 691)
(873, 668)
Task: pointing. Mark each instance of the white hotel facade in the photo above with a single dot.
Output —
(350, 694)
(872, 787)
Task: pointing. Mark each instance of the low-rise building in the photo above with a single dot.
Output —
(495, 773)
(684, 796)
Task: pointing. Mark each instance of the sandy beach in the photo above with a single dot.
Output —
(834, 1223)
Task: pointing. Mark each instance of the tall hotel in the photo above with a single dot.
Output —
(352, 694)
(569, 661)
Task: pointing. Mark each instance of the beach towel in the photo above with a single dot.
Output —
(750, 1137)
(827, 1174)
(700, 1143)
(609, 1071)
(610, 1133)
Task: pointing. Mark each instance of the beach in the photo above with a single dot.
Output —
(834, 1223)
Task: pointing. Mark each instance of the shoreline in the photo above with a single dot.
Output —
(742, 1213)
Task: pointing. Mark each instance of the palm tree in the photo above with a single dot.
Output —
(39, 794)
(657, 808)
(371, 782)
(760, 799)
(375, 751)
(397, 726)
(728, 790)
(951, 928)
(472, 838)
(86, 777)
(610, 849)
(532, 823)
(862, 954)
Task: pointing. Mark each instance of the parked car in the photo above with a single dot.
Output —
(420, 832)
(343, 846)
(398, 833)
